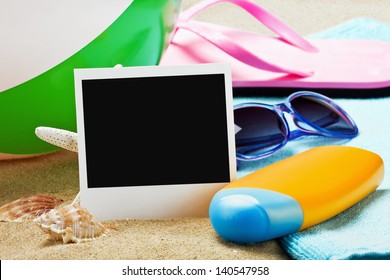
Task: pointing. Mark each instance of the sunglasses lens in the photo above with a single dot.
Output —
(258, 130)
(322, 114)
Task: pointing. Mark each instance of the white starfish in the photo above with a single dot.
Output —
(60, 138)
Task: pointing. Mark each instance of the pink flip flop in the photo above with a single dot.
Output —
(281, 64)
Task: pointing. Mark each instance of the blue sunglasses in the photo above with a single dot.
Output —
(261, 129)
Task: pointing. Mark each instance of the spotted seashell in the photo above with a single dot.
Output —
(71, 223)
(27, 208)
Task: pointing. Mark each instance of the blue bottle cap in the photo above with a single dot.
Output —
(251, 215)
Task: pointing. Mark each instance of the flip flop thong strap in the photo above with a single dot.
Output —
(237, 51)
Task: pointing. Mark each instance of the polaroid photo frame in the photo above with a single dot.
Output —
(154, 141)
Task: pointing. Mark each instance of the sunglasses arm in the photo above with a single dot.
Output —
(295, 134)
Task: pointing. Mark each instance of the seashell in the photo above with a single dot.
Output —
(27, 208)
(71, 223)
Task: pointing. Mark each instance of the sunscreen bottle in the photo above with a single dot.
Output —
(295, 193)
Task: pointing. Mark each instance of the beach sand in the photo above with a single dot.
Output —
(56, 174)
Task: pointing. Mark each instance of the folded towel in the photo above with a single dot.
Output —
(359, 28)
(362, 231)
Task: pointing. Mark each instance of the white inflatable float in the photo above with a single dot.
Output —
(43, 41)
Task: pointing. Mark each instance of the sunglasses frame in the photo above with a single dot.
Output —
(281, 108)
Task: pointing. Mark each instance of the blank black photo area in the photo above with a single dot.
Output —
(163, 130)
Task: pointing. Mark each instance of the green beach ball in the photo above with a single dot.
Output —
(43, 41)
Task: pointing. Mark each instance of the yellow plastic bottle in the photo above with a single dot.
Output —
(295, 193)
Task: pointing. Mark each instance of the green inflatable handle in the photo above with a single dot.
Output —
(137, 37)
